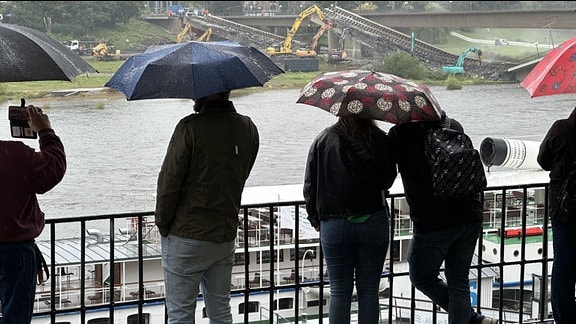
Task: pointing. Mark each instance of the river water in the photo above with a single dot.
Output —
(115, 147)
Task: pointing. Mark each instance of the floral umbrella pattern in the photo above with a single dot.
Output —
(372, 95)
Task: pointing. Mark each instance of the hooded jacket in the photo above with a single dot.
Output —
(207, 163)
(555, 155)
(24, 173)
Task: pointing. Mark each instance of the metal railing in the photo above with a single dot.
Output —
(101, 283)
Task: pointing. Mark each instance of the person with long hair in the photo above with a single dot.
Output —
(349, 170)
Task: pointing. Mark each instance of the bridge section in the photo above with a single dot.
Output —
(552, 18)
(385, 41)
(239, 33)
(376, 39)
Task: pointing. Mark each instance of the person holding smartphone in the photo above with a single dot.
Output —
(25, 173)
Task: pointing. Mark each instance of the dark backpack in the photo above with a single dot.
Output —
(455, 165)
(567, 197)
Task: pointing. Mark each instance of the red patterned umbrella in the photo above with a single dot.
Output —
(555, 73)
(372, 95)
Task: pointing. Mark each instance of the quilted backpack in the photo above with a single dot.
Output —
(455, 165)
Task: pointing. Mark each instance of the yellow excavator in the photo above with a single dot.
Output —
(311, 51)
(103, 52)
(205, 37)
(187, 30)
(286, 47)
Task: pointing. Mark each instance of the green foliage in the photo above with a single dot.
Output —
(3, 89)
(403, 65)
(70, 17)
(130, 37)
(452, 83)
(223, 8)
(432, 35)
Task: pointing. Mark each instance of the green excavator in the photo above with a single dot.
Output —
(459, 67)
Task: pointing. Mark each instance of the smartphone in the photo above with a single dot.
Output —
(19, 128)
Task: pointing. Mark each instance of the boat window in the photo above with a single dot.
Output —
(101, 320)
(204, 314)
(284, 303)
(239, 259)
(266, 257)
(395, 247)
(309, 256)
(315, 303)
(252, 307)
(133, 319)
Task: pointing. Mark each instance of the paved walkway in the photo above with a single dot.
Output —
(84, 91)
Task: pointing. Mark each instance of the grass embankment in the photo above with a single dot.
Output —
(36, 89)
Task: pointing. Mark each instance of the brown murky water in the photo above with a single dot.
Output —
(115, 147)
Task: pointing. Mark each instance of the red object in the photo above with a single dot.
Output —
(555, 73)
(369, 94)
(517, 232)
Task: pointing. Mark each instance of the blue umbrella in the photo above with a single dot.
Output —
(192, 70)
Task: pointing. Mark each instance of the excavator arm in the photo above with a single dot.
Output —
(311, 52)
(205, 36)
(319, 34)
(286, 47)
(186, 30)
(459, 67)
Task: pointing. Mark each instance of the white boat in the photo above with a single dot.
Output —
(75, 262)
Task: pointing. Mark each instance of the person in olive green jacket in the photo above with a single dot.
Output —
(207, 163)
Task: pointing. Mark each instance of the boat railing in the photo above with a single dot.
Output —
(264, 311)
(113, 254)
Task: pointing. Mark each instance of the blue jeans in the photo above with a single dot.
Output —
(563, 272)
(455, 248)
(355, 251)
(189, 264)
(19, 264)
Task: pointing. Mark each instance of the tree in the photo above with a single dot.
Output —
(225, 8)
(76, 17)
(403, 65)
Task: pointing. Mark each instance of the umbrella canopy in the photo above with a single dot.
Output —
(372, 95)
(192, 70)
(27, 54)
(555, 73)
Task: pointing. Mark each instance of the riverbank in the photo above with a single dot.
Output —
(92, 85)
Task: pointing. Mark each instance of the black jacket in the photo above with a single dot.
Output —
(556, 156)
(428, 213)
(343, 178)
